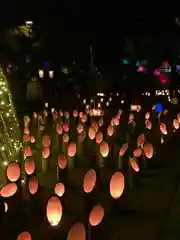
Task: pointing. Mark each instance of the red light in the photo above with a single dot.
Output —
(140, 69)
(165, 64)
(163, 81)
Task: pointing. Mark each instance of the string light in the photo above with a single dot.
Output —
(9, 126)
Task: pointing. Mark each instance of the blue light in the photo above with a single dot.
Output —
(46, 65)
(159, 108)
(137, 63)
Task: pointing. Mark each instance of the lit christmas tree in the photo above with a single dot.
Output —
(10, 134)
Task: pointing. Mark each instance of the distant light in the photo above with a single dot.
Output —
(51, 74)
(165, 64)
(46, 104)
(137, 63)
(46, 65)
(125, 61)
(41, 73)
(159, 108)
(140, 69)
(29, 23)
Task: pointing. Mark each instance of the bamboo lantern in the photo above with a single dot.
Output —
(110, 130)
(148, 150)
(59, 129)
(54, 211)
(33, 185)
(137, 152)
(75, 113)
(96, 215)
(116, 185)
(66, 114)
(45, 155)
(84, 118)
(92, 133)
(59, 189)
(147, 116)
(77, 232)
(99, 137)
(122, 152)
(26, 131)
(13, 171)
(24, 236)
(104, 152)
(62, 162)
(66, 127)
(89, 181)
(141, 140)
(32, 139)
(72, 150)
(26, 138)
(178, 117)
(148, 124)
(134, 165)
(95, 126)
(46, 141)
(65, 142)
(27, 152)
(101, 122)
(8, 190)
(176, 124)
(163, 129)
(80, 128)
(29, 166)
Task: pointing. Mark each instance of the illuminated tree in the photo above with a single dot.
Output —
(10, 135)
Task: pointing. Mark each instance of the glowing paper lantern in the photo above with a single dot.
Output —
(140, 140)
(116, 121)
(110, 130)
(77, 232)
(148, 150)
(29, 166)
(33, 185)
(13, 171)
(123, 149)
(27, 152)
(79, 128)
(163, 128)
(26, 131)
(104, 149)
(147, 116)
(32, 139)
(134, 165)
(65, 138)
(72, 149)
(92, 133)
(59, 189)
(24, 236)
(62, 161)
(8, 190)
(59, 129)
(95, 126)
(89, 181)
(26, 138)
(46, 152)
(96, 215)
(66, 127)
(75, 113)
(137, 152)
(54, 211)
(116, 185)
(175, 124)
(46, 141)
(99, 137)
